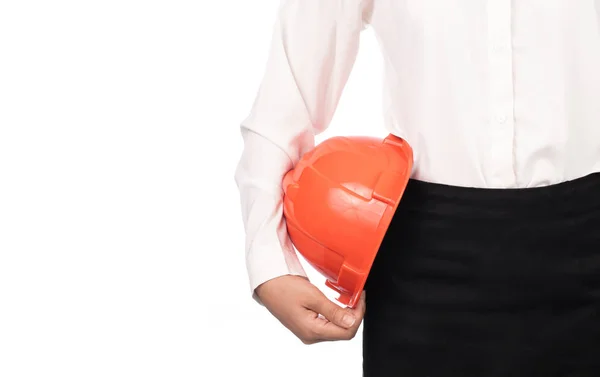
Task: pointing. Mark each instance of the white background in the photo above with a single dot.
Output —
(121, 242)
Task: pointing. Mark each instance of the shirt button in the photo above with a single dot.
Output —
(501, 119)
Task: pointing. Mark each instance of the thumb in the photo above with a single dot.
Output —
(334, 313)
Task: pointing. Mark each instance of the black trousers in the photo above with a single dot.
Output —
(487, 283)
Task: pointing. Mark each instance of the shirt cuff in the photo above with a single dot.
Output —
(267, 262)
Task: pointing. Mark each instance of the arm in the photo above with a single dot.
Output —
(314, 47)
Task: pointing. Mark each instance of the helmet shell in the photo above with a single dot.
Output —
(339, 201)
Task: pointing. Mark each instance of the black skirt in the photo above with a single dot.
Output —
(487, 283)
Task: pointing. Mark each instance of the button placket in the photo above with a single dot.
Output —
(501, 91)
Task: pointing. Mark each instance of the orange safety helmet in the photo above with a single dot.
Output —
(338, 204)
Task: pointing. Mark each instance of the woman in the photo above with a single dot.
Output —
(491, 266)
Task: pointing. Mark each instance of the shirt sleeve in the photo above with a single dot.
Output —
(313, 50)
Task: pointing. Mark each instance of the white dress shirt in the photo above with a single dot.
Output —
(489, 93)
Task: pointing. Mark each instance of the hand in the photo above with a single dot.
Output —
(307, 312)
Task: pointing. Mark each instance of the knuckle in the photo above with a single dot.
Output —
(308, 341)
(336, 313)
(307, 337)
(305, 341)
(314, 299)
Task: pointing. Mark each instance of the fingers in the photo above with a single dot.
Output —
(361, 306)
(342, 317)
(338, 323)
(307, 312)
(328, 331)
